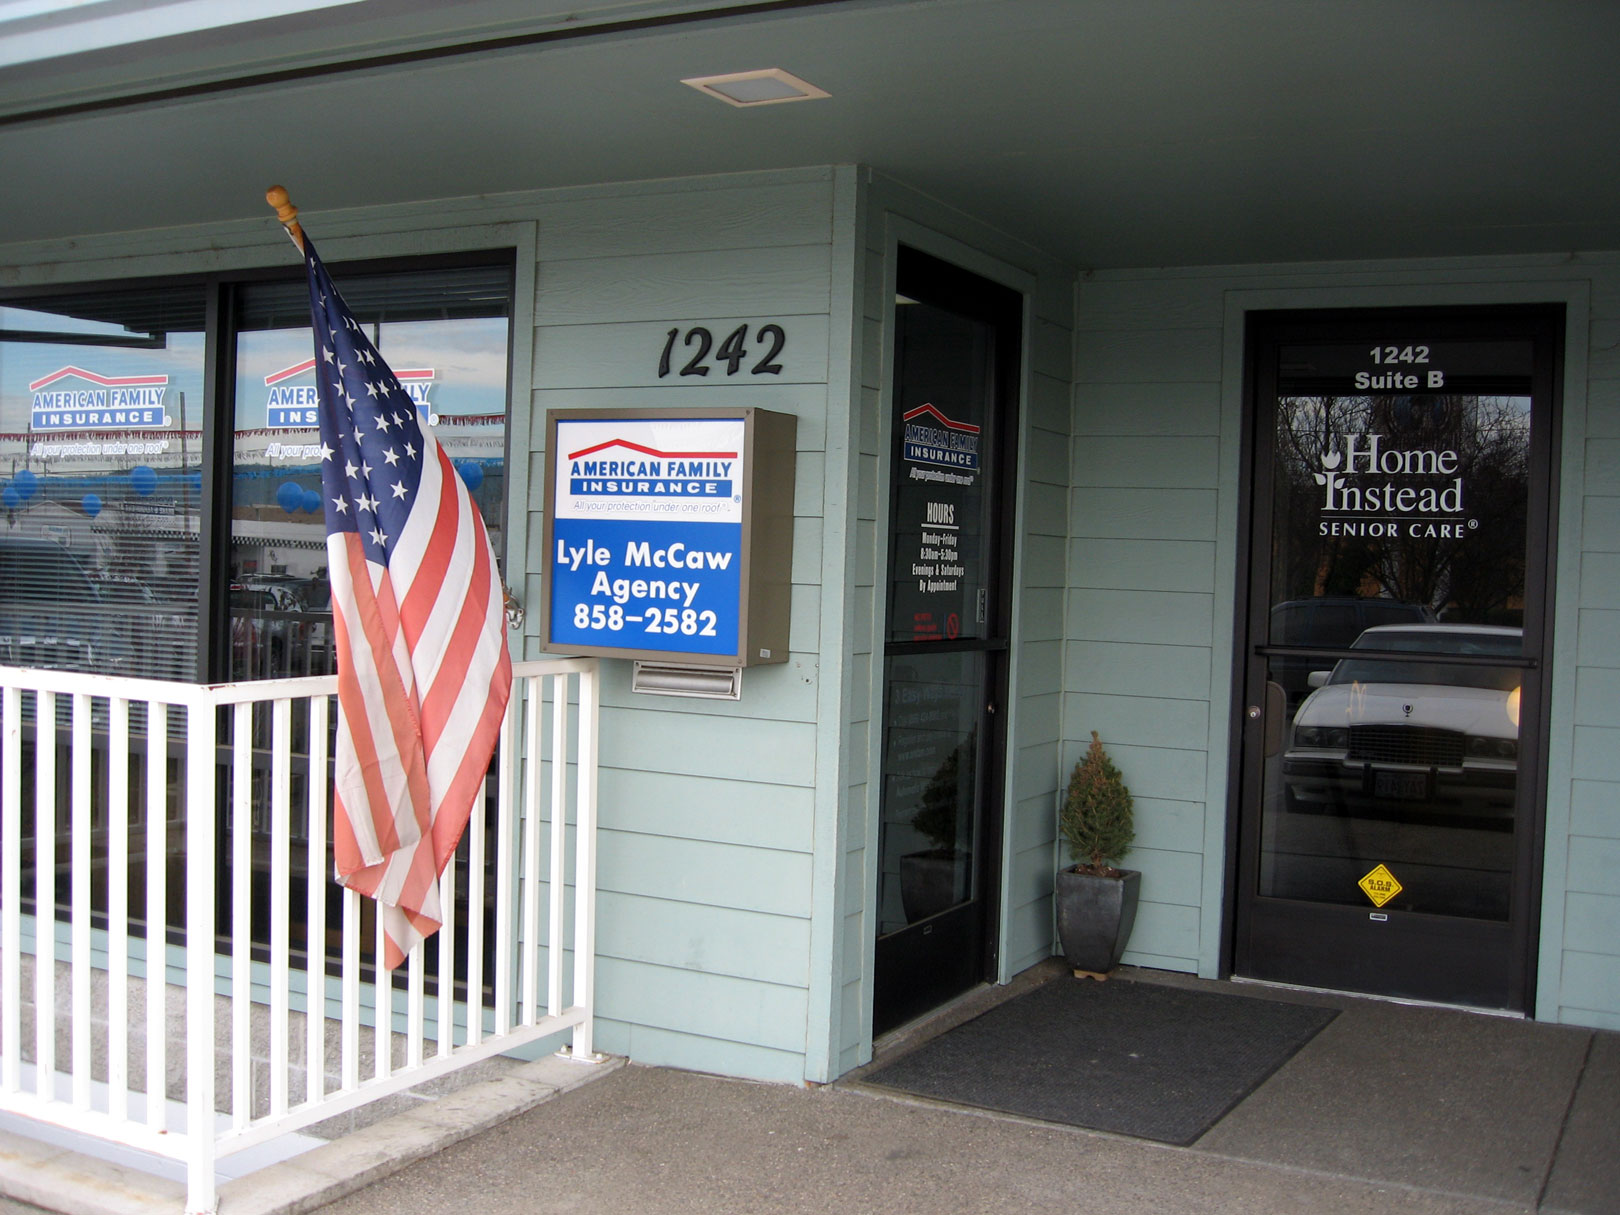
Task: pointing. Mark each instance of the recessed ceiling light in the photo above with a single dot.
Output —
(768, 86)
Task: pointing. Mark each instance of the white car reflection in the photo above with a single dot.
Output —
(1411, 730)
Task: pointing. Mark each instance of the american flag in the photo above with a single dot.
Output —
(423, 671)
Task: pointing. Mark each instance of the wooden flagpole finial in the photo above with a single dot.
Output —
(276, 196)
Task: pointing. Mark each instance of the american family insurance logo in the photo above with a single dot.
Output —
(619, 468)
(1372, 490)
(71, 398)
(295, 407)
(932, 438)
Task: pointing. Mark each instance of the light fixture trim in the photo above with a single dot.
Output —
(765, 86)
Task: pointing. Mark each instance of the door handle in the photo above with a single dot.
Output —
(1275, 713)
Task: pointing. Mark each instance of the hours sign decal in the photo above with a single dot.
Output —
(647, 534)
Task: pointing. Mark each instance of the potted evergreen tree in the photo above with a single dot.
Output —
(1096, 903)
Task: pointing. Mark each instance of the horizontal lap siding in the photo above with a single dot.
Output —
(707, 808)
(1031, 827)
(1589, 974)
(1140, 612)
(865, 669)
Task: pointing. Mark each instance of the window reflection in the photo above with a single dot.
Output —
(100, 481)
(930, 785)
(445, 335)
(1400, 528)
(101, 487)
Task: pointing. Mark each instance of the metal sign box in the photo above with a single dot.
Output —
(669, 534)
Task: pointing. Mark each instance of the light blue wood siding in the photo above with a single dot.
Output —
(1584, 958)
(1043, 572)
(864, 692)
(1153, 546)
(709, 809)
(1140, 613)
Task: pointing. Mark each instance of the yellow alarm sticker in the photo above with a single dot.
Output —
(1380, 886)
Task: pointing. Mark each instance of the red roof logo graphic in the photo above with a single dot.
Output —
(287, 373)
(930, 411)
(105, 381)
(652, 451)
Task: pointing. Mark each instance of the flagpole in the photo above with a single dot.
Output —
(276, 196)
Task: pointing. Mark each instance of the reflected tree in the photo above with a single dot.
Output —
(1473, 572)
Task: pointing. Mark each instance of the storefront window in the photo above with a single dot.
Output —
(445, 334)
(105, 436)
(101, 398)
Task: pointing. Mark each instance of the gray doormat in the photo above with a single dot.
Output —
(1138, 1059)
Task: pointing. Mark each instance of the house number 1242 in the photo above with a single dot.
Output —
(734, 351)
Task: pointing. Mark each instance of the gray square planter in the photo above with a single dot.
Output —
(1095, 916)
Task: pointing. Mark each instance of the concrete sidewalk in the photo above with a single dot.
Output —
(1391, 1108)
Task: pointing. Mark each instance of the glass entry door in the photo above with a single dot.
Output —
(1393, 666)
(956, 356)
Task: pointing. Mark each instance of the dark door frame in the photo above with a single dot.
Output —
(1544, 323)
(906, 972)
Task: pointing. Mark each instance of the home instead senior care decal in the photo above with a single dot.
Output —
(1371, 489)
(647, 536)
(1372, 486)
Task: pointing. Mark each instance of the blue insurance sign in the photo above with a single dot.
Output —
(647, 534)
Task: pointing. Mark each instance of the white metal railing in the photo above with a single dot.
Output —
(137, 790)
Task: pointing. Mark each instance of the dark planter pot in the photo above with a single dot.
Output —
(1095, 916)
(932, 881)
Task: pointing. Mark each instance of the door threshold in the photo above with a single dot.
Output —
(1508, 1014)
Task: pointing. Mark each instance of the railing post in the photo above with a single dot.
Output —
(200, 873)
(585, 865)
(80, 830)
(556, 933)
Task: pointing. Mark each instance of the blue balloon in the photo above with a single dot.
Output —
(291, 496)
(27, 484)
(471, 473)
(91, 504)
(11, 497)
(312, 501)
(143, 479)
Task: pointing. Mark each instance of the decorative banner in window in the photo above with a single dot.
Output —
(73, 399)
(669, 534)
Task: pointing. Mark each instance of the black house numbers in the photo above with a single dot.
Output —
(736, 352)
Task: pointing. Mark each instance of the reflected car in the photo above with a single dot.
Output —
(1411, 730)
(1328, 622)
